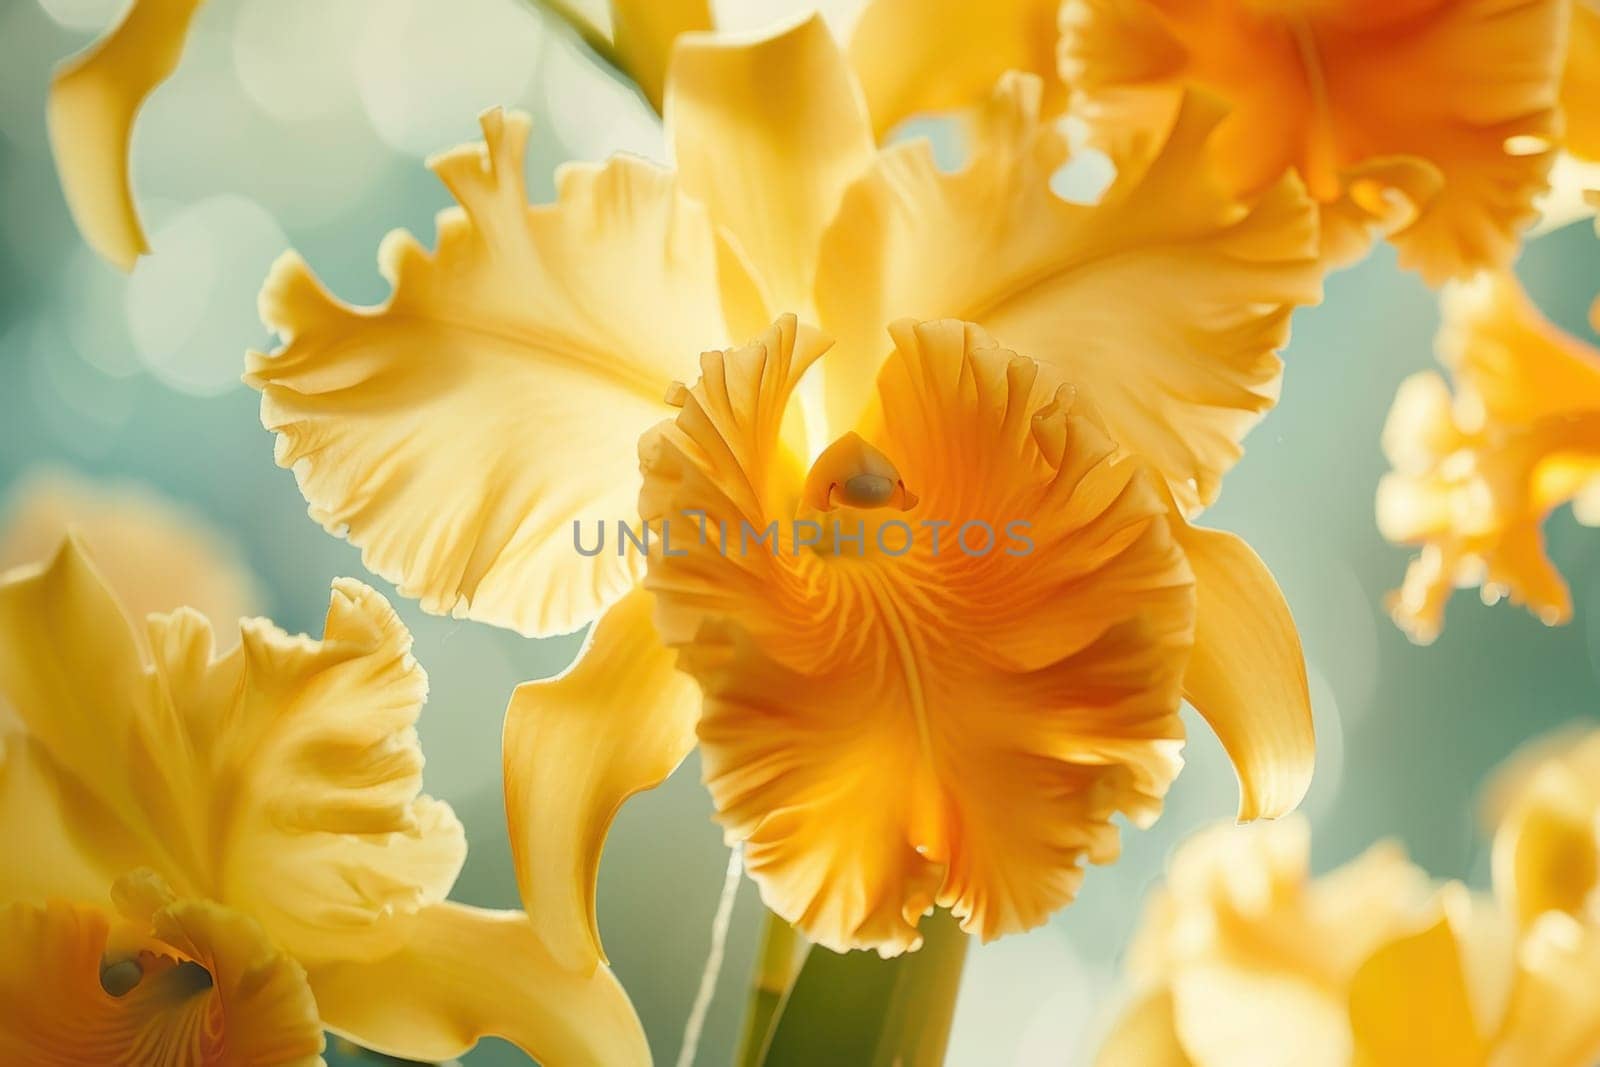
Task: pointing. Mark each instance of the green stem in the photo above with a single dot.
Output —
(776, 966)
(858, 1009)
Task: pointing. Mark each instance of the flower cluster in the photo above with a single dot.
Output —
(805, 324)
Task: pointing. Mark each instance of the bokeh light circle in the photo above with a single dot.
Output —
(191, 306)
(426, 69)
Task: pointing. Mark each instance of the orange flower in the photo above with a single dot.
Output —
(1431, 120)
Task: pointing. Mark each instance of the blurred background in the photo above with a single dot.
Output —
(304, 123)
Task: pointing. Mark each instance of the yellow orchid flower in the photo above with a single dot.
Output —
(1433, 121)
(156, 554)
(215, 857)
(1244, 958)
(462, 432)
(1476, 474)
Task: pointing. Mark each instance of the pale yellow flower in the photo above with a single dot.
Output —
(1433, 121)
(212, 858)
(458, 431)
(1476, 474)
(1245, 959)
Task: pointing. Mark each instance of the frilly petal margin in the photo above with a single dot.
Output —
(1179, 383)
(468, 973)
(1247, 676)
(322, 836)
(94, 98)
(615, 723)
(456, 431)
(923, 727)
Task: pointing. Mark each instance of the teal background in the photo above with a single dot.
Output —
(302, 122)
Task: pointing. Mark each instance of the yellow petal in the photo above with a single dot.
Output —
(157, 554)
(1164, 303)
(1512, 363)
(1547, 855)
(467, 973)
(197, 984)
(1465, 90)
(913, 56)
(72, 669)
(1547, 841)
(1247, 676)
(1410, 1004)
(1144, 1036)
(459, 430)
(1243, 897)
(1554, 1017)
(1257, 954)
(1229, 1016)
(1476, 475)
(75, 845)
(1580, 84)
(921, 725)
(280, 779)
(94, 98)
(644, 32)
(767, 133)
(328, 843)
(576, 746)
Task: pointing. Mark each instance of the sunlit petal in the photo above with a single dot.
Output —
(280, 779)
(921, 726)
(458, 431)
(94, 98)
(1432, 120)
(576, 746)
(1164, 303)
(1410, 1003)
(76, 845)
(1475, 474)
(913, 56)
(767, 133)
(466, 973)
(1247, 676)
